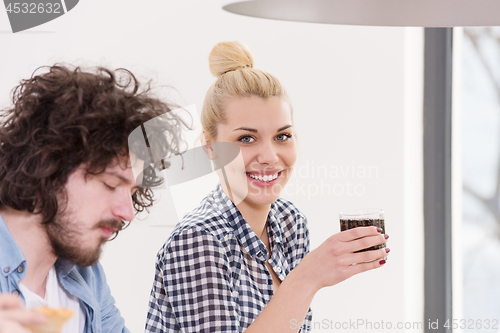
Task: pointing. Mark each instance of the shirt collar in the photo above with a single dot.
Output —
(242, 230)
(11, 256)
(273, 219)
(63, 267)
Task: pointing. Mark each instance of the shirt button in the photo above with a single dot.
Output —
(20, 269)
(278, 269)
(6, 270)
(15, 293)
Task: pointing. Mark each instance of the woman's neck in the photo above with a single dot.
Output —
(256, 217)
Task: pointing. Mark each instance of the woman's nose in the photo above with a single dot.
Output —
(268, 154)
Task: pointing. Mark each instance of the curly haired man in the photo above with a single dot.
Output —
(67, 187)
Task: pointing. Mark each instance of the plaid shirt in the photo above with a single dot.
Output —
(211, 274)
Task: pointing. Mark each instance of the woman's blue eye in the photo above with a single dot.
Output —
(283, 137)
(246, 139)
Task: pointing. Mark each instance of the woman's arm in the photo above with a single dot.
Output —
(331, 263)
(192, 289)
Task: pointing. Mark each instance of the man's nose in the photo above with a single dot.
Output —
(123, 208)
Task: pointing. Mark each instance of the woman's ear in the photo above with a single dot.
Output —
(206, 146)
(203, 139)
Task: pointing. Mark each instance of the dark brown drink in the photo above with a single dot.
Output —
(349, 223)
(363, 218)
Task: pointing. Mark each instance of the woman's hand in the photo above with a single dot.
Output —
(14, 316)
(334, 260)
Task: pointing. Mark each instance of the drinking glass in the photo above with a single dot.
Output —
(363, 218)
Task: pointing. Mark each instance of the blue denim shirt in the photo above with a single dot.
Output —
(88, 284)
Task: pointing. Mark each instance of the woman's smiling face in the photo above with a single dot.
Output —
(263, 130)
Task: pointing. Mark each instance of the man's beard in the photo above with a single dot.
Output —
(65, 237)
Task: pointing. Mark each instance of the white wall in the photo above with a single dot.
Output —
(355, 94)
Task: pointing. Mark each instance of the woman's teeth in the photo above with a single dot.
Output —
(266, 178)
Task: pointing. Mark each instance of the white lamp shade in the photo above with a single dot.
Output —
(417, 13)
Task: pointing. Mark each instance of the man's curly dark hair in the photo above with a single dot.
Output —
(67, 117)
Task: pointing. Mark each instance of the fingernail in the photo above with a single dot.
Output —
(387, 250)
(379, 229)
(381, 262)
(386, 236)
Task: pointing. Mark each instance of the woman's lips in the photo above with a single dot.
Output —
(263, 179)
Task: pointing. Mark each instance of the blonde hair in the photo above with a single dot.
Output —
(232, 64)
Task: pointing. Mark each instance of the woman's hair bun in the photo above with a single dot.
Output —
(229, 56)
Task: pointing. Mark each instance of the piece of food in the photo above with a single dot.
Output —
(55, 320)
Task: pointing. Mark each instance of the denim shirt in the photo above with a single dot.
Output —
(88, 284)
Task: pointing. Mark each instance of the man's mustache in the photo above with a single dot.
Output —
(117, 225)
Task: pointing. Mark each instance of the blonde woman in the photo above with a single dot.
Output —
(241, 261)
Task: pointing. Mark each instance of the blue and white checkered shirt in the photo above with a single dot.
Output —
(211, 274)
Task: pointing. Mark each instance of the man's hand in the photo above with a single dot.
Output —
(14, 316)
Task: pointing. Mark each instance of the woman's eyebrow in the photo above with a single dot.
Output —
(246, 129)
(283, 128)
(255, 131)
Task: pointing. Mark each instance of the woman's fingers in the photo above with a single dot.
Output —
(355, 233)
(365, 242)
(366, 266)
(335, 259)
(367, 256)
